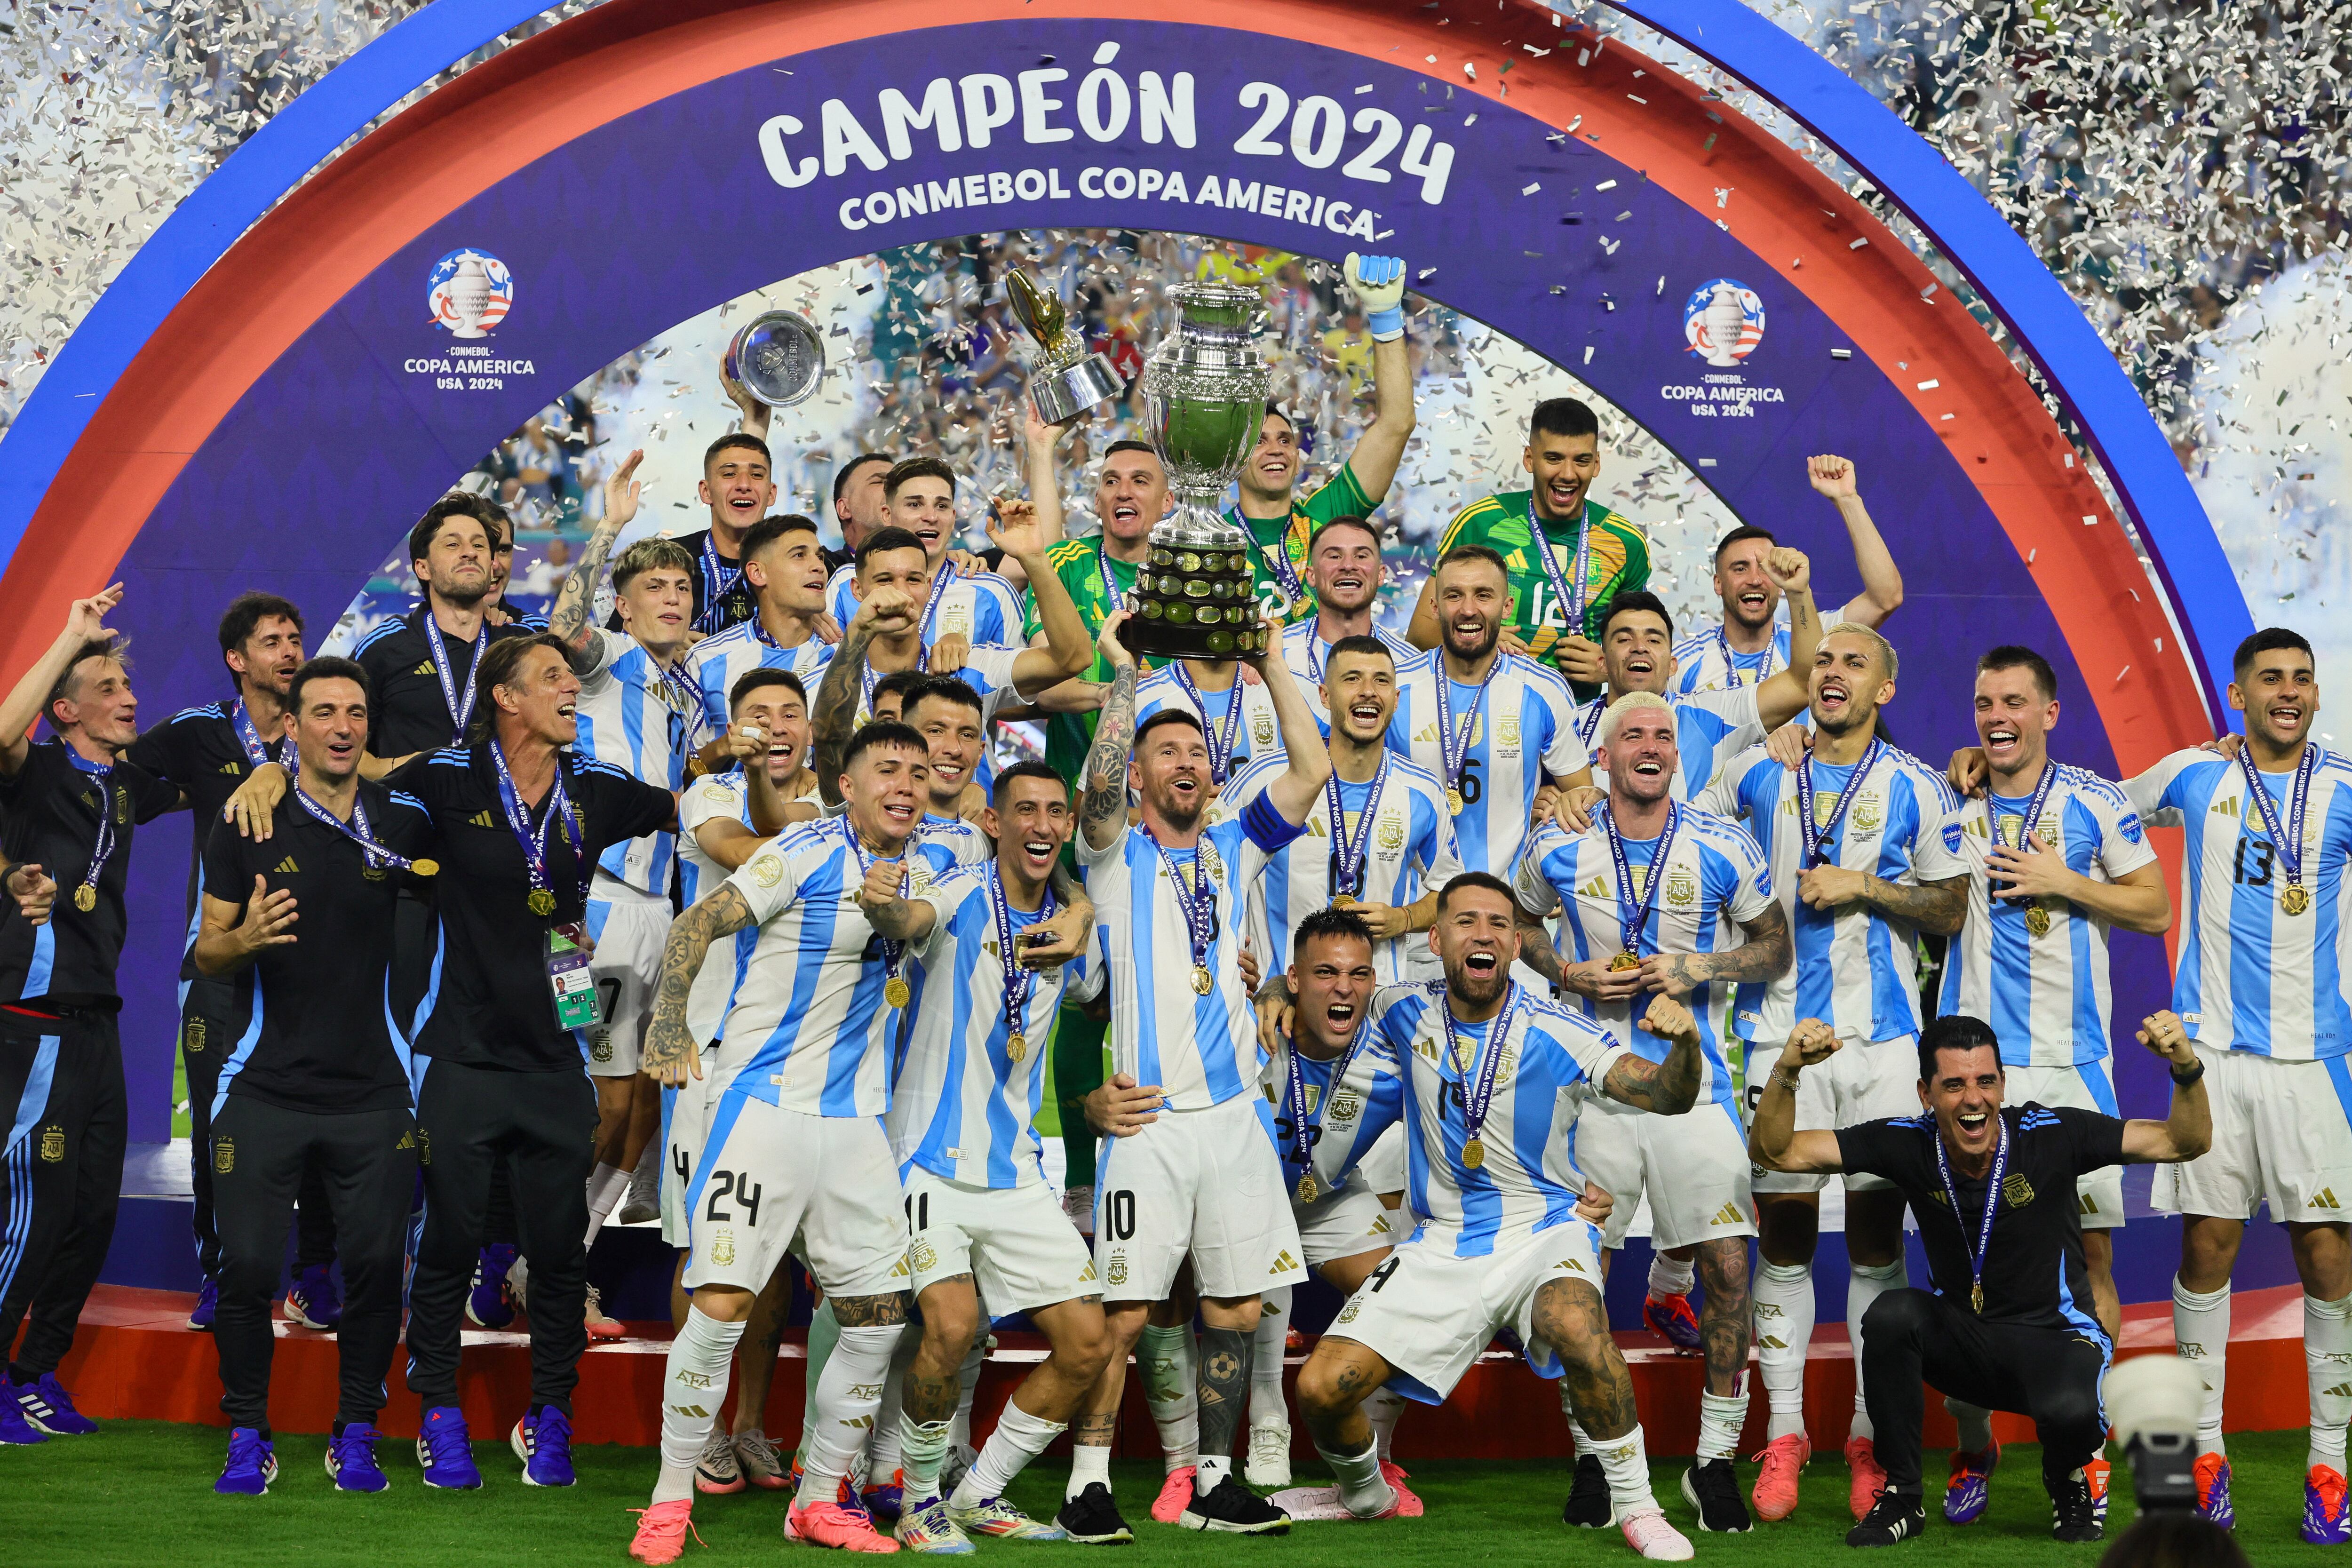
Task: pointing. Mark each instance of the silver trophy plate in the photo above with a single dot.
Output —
(778, 357)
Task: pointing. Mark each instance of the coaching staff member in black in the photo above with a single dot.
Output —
(2010, 1324)
(317, 1084)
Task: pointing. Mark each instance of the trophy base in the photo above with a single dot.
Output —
(1162, 639)
(1064, 394)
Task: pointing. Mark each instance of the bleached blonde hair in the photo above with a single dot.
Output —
(1612, 718)
(1885, 648)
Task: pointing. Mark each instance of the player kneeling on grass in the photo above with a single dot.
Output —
(2010, 1323)
(1487, 1077)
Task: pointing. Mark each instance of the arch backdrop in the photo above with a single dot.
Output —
(645, 161)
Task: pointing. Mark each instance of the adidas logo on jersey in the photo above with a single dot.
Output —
(425, 669)
(482, 819)
(1595, 889)
(232, 769)
(2225, 807)
(2089, 1205)
(2325, 1198)
(287, 868)
(1729, 1215)
(1283, 1262)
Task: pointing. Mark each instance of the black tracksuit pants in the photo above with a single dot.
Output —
(364, 1163)
(542, 1126)
(62, 1177)
(1911, 1337)
(207, 1038)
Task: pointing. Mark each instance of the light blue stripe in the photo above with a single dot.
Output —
(2102, 1092)
(244, 1052)
(18, 1159)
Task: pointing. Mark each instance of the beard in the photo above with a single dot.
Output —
(1475, 989)
(1181, 815)
(1472, 653)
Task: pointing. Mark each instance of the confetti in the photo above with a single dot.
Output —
(1929, 385)
(1840, 354)
(1606, 185)
(1531, 187)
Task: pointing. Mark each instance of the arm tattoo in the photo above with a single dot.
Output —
(1937, 907)
(892, 922)
(835, 706)
(568, 621)
(871, 1311)
(1668, 1088)
(723, 913)
(1071, 891)
(1763, 956)
(1537, 953)
(1104, 773)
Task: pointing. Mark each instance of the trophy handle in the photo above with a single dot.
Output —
(1040, 313)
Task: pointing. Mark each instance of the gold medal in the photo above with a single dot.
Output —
(1016, 1046)
(85, 898)
(542, 902)
(1628, 959)
(1201, 980)
(896, 992)
(2294, 899)
(1307, 1191)
(1473, 1154)
(1453, 803)
(2037, 921)
(425, 867)
(1976, 1298)
(1344, 902)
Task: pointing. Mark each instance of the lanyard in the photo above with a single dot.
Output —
(1020, 981)
(2286, 843)
(868, 677)
(1632, 919)
(1348, 856)
(1112, 597)
(682, 697)
(1477, 1097)
(1992, 1206)
(86, 896)
(717, 583)
(1571, 607)
(247, 736)
(1454, 741)
(459, 702)
(895, 990)
(1813, 843)
(1732, 669)
(1277, 558)
(939, 581)
(1588, 724)
(534, 841)
(1226, 732)
(358, 831)
(1198, 900)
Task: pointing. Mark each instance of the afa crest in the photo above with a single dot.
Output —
(1391, 831)
(192, 1036)
(223, 1156)
(1682, 887)
(1117, 1273)
(923, 1256)
(722, 1247)
(1869, 811)
(53, 1143)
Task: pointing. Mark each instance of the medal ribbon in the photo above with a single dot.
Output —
(101, 852)
(2288, 845)
(246, 735)
(892, 951)
(1480, 1094)
(1347, 857)
(716, 582)
(1992, 1206)
(1634, 919)
(460, 703)
(1294, 1099)
(1588, 724)
(1815, 843)
(357, 830)
(534, 842)
(1020, 981)
(1454, 741)
(1112, 597)
(1226, 732)
(1731, 671)
(1571, 607)
(683, 699)
(1197, 901)
(1277, 558)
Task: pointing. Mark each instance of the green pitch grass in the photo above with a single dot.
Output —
(140, 1493)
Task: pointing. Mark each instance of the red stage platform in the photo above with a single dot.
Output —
(135, 1357)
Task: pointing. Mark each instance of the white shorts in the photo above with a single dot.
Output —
(2282, 1135)
(1019, 1249)
(1343, 1224)
(1865, 1080)
(1430, 1314)
(1381, 1170)
(1692, 1167)
(685, 1122)
(768, 1176)
(2089, 1086)
(629, 933)
(1202, 1182)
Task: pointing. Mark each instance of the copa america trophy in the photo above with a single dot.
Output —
(777, 357)
(1065, 380)
(1204, 398)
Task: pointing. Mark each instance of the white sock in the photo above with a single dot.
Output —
(1088, 1466)
(606, 1186)
(1784, 1333)
(1363, 1490)
(1577, 1443)
(967, 1384)
(1720, 1417)
(847, 1398)
(2327, 1361)
(1864, 1285)
(1384, 1409)
(1266, 1407)
(1669, 1278)
(694, 1385)
(1626, 1462)
(1169, 1362)
(882, 1452)
(1019, 1438)
(2200, 1329)
(922, 1449)
(1975, 1425)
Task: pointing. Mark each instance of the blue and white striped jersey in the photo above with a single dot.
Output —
(716, 663)
(635, 717)
(1716, 882)
(1856, 969)
(1710, 729)
(959, 838)
(1201, 1050)
(1526, 729)
(1318, 1082)
(1255, 732)
(980, 608)
(806, 1027)
(987, 669)
(720, 797)
(1553, 1060)
(963, 1104)
(1700, 665)
(1412, 852)
(2251, 977)
(1304, 650)
(2045, 996)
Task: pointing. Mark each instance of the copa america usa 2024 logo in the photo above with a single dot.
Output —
(1723, 320)
(468, 291)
